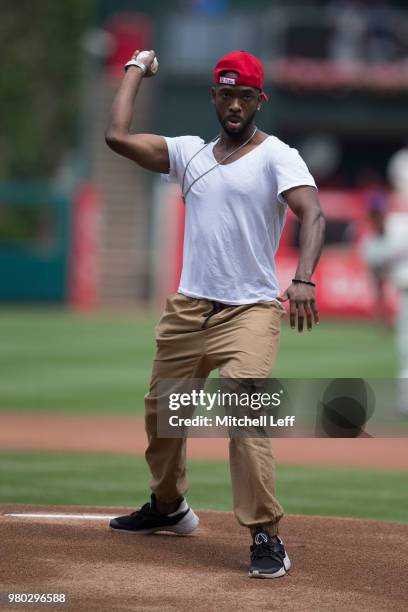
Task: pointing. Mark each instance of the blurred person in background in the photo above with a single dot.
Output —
(381, 42)
(362, 31)
(227, 311)
(377, 204)
(347, 42)
(386, 253)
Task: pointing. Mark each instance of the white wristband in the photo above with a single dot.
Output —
(134, 62)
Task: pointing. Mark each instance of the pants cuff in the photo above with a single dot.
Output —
(271, 528)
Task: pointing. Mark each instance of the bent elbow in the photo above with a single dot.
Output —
(113, 140)
(110, 139)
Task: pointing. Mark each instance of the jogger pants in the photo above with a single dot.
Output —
(242, 342)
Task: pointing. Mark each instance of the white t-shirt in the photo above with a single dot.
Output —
(234, 218)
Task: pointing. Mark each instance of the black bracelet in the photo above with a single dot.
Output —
(298, 280)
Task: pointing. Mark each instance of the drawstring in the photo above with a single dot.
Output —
(216, 308)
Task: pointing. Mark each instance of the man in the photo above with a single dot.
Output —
(227, 311)
(377, 204)
(386, 253)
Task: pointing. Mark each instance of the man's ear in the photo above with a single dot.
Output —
(213, 94)
(259, 102)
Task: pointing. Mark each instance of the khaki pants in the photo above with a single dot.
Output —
(242, 342)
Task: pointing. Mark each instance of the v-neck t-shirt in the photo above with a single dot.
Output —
(234, 217)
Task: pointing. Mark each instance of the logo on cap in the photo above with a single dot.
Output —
(227, 80)
(248, 69)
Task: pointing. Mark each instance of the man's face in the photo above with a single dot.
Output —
(236, 106)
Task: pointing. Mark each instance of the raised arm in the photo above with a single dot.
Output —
(305, 204)
(147, 150)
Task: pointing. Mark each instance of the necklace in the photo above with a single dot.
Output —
(184, 193)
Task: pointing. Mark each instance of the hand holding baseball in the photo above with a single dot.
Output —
(148, 58)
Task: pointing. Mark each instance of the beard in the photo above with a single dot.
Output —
(239, 131)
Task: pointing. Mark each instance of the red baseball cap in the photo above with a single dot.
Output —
(247, 66)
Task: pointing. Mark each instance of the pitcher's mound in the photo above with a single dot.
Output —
(337, 564)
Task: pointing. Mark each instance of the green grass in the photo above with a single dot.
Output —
(96, 479)
(55, 360)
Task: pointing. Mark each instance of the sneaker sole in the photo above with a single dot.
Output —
(186, 526)
(281, 572)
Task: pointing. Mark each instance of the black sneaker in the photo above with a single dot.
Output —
(268, 556)
(149, 520)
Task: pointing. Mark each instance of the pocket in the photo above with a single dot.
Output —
(280, 307)
(177, 310)
(172, 300)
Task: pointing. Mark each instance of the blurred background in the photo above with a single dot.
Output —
(90, 244)
(81, 227)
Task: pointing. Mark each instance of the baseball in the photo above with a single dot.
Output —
(142, 56)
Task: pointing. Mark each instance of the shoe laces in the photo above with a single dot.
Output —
(145, 510)
(268, 549)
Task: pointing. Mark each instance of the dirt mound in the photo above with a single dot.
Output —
(338, 564)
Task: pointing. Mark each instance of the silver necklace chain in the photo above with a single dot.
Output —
(184, 193)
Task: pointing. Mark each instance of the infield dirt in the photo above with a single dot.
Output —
(338, 564)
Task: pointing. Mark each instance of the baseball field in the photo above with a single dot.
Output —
(71, 455)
